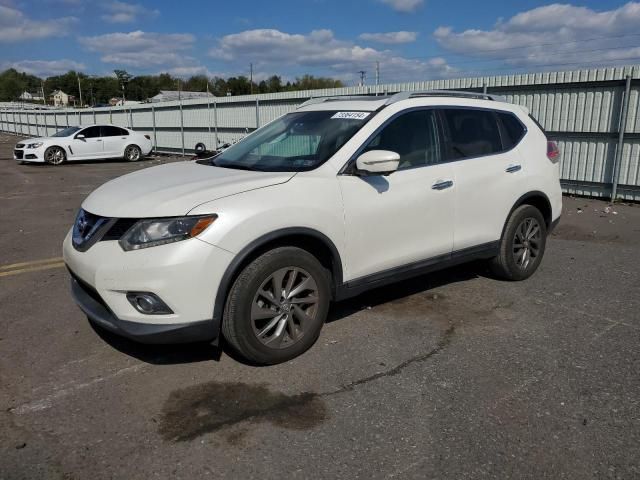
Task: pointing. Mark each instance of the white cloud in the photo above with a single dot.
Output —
(122, 12)
(405, 6)
(575, 32)
(15, 26)
(44, 68)
(391, 38)
(320, 48)
(142, 49)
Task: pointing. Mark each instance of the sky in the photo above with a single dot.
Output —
(405, 40)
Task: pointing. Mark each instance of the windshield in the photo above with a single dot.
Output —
(296, 142)
(67, 132)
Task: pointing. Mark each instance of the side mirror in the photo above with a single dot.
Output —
(80, 137)
(377, 162)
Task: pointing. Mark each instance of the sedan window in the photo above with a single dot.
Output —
(111, 131)
(90, 132)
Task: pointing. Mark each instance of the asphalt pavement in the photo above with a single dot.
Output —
(451, 375)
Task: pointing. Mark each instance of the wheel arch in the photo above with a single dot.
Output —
(65, 149)
(536, 199)
(313, 241)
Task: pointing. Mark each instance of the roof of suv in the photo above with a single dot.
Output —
(372, 103)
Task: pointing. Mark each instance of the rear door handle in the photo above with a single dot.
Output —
(513, 168)
(442, 184)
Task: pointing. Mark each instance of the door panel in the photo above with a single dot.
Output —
(88, 147)
(396, 220)
(114, 141)
(405, 217)
(489, 176)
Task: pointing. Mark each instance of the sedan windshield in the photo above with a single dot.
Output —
(67, 132)
(296, 142)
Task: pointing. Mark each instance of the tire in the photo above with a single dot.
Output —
(132, 153)
(522, 245)
(263, 328)
(55, 155)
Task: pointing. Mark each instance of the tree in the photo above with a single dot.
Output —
(123, 79)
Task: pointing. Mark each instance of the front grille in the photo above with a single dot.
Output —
(18, 153)
(20, 145)
(88, 229)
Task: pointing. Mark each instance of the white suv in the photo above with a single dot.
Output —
(340, 196)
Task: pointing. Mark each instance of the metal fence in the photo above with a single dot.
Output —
(594, 115)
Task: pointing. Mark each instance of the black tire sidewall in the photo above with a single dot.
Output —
(518, 216)
(240, 300)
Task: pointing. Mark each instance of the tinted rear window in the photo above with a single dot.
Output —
(471, 133)
(513, 130)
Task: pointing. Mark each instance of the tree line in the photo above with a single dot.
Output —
(100, 89)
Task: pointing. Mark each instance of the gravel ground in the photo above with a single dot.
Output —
(451, 375)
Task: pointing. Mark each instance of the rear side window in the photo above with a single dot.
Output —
(471, 133)
(110, 131)
(512, 129)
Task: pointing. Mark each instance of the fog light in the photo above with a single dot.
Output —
(148, 303)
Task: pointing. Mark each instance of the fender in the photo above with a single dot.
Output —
(241, 258)
(523, 199)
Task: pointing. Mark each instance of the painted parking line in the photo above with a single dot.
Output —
(32, 266)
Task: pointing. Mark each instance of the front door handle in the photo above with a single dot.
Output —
(513, 168)
(442, 184)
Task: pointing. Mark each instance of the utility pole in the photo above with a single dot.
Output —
(363, 75)
(251, 78)
(79, 88)
(44, 102)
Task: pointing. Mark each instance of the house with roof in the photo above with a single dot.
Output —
(61, 99)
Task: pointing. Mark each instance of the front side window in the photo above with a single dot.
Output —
(471, 133)
(296, 142)
(91, 132)
(412, 135)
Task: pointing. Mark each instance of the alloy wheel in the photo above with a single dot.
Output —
(526, 242)
(132, 153)
(284, 307)
(54, 156)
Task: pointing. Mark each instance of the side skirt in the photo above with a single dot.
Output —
(397, 274)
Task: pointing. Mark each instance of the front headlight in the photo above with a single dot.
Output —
(35, 145)
(160, 231)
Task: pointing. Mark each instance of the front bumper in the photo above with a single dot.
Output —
(99, 314)
(28, 154)
(185, 275)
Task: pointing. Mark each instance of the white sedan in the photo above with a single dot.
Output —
(92, 142)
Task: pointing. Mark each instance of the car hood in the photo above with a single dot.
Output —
(174, 189)
(34, 140)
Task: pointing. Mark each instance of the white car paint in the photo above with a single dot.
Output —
(376, 223)
(88, 148)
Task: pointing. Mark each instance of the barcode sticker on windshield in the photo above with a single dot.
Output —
(352, 115)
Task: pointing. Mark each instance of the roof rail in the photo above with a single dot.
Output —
(443, 93)
(338, 98)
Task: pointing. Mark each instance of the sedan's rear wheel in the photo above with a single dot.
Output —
(277, 306)
(132, 153)
(54, 155)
